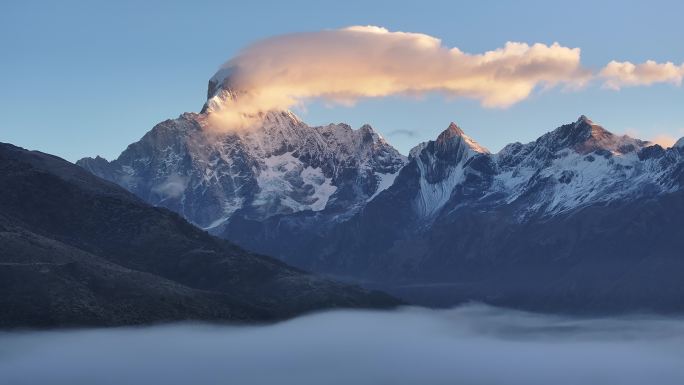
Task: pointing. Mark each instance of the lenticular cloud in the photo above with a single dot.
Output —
(341, 66)
(344, 65)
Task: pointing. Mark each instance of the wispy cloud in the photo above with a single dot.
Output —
(401, 133)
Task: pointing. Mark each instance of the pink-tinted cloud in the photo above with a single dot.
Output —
(341, 66)
(625, 74)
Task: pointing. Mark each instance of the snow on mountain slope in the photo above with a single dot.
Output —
(527, 214)
(385, 180)
(280, 166)
(442, 166)
(575, 165)
(579, 164)
(282, 183)
(273, 181)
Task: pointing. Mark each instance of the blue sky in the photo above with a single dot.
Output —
(85, 78)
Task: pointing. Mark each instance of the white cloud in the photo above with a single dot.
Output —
(626, 74)
(343, 65)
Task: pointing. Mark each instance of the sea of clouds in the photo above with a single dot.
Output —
(472, 344)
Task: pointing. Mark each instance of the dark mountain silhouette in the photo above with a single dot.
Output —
(78, 250)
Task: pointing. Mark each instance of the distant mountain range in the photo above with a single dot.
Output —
(580, 220)
(78, 250)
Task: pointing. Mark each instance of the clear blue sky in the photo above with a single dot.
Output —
(80, 78)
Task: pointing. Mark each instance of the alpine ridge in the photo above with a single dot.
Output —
(589, 216)
(283, 167)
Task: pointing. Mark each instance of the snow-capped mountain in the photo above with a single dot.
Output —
(579, 219)
(575, 165)
(280, 166)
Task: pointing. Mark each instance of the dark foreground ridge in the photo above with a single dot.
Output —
(77, 250)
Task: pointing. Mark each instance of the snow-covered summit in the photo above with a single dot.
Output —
(221, 80)
(443, 164)
(450, 140)
(454, 134)
(282, 168)
(585, 136)
(223, 91)
(575, 165)
(279, 166)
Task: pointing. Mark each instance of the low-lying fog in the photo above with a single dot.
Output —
(466, 345)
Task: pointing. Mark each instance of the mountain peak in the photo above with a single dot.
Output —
(577, 133)
(589, 128)
(220, 81)
(586, 136)
(367, 128)
(222, 89)
(454, 132)
(583, 119)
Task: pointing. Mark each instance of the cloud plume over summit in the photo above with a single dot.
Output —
(341, 66)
